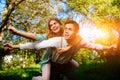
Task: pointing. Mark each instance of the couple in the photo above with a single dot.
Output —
(67, 46)
(54, 29)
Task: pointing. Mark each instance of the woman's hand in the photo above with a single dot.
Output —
(63, 50)
(8, 46)
(13, 30)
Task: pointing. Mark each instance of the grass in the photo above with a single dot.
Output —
(98, 71)
(92, 71)
(20, 73)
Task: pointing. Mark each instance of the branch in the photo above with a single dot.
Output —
(4, 22)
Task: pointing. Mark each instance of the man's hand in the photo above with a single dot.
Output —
(113, 47)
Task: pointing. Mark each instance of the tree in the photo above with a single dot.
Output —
(33, 13)
(10, 6)
(97, 9)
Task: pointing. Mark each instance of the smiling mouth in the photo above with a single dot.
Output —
(55, 29)
(66, 35)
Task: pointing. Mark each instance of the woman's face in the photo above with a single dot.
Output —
(54, 26)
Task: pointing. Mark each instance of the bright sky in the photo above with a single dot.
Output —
(2, 5)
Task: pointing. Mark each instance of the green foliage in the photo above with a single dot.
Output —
(20, 73)
(21, 58)
(96, 8)
(116, 3)
(86, 56)
(101, 71)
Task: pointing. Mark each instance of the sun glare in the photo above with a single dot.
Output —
(103, 35)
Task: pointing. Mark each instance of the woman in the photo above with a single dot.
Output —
(54, 29)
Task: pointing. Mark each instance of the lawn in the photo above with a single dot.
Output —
(20, 73)
(96, 71)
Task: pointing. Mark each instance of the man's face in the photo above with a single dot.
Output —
(69, 31)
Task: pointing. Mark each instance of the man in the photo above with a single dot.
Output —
(71, 43)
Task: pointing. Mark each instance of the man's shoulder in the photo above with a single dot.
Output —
(56, 38)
